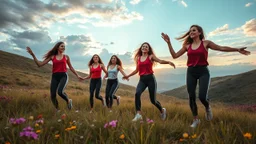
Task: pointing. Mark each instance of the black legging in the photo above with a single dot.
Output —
(150, 82)
(193, 74)
(111, 88)
(59, 81)
(95, 85)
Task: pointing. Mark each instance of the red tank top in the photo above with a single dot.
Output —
(145, 67)
(59, 65)
(96, 72)
(197, 57)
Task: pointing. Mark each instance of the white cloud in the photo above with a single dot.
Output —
(219, 30)
(249, 28)
(134, 2)
(248, 4)
(184, 3)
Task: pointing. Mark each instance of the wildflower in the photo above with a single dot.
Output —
(185, 135)
(28, 133)
(40, 116)
(31, 118)
(149, 121)
(111, 124)
(181, 140)
(63, 116)
(36, 125)
(17, 121)
(38, 131)
(81, 137)
(57, 136)
(7, 142)
(73, 127)
(248, 135)
(40, 121)
(121, 136)
(193, 136)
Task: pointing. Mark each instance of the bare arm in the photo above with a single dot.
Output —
(38, 63)
(89, 75)
(71, 67)
(154, 58)
(104, 69)
(213, 46)
(121, 70)
(134, 72)
(172, 52)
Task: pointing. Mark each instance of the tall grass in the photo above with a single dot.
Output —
(228, 125)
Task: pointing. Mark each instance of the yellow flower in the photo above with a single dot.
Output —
(68, 129)
(38, 131)
(73, 128)
(185, 135)
(248, 135)
(57, 136)
(7, 143)
(31, 118)
(36, 125)
(193, 136)
(121, 136)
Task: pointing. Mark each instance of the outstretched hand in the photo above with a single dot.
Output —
(29, 50)
(125, 78)
(166, 37)
(243, 51)
(172, 64)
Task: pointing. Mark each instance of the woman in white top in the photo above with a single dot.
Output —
(114, 66)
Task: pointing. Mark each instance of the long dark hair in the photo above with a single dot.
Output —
(53, 51)
(186, 38)
(138, 52)
(91, 61)
(118, 61)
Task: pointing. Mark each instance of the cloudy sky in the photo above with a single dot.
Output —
(108, 27)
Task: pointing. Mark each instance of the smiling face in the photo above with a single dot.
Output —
(144, 48)
(113, 60)
(61, 48)
(95, 58)
(194, 33)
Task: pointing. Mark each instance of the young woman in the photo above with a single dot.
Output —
(197, 51)
(114, 66)
(145, 59)
(96, 66)
(59, 71)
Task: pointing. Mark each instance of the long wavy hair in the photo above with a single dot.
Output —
(91, 61)
(118, 62)
(138, 52)
(186, 38)
(53, 51)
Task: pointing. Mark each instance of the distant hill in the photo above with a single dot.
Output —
(19, 71)
(235, 89)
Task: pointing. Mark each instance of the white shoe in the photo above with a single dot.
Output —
(137, 117)
(163, 114)
(195, 123)
(118, 100)
(104, 102)
(208, 114)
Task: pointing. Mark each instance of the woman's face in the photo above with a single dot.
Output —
(113, 60)
(61, 48)
(95, 58)
(194, 32)
(145, 48)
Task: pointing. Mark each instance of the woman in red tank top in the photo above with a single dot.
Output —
(59, 71)
(95, 66)
(197, 52)
(145, 59)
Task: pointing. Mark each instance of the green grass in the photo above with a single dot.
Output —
(228, 126)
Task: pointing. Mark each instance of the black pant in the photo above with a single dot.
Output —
(111, 88)
(59, 81)
(150, 82)
(202, 74)
(95, 85)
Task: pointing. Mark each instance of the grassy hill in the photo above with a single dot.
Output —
(235, 89)
(24, 93)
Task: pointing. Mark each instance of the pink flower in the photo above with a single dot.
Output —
(111, 124)
(149, 121)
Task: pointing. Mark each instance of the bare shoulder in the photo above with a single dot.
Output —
(67, 57)
(206, 43)
(185, 47)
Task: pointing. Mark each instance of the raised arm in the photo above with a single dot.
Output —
(154, 58)
(38, 63)
(172, 52)
(213, 46)
(71, 67)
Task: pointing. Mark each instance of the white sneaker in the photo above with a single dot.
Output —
(208, 114)
(137, 117)
(118, 100)
(163, 114)
(195, 123)
(70, 104)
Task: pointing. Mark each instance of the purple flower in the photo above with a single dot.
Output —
(149, 121)
(111, 124)
(28, 129)
(17, 121)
